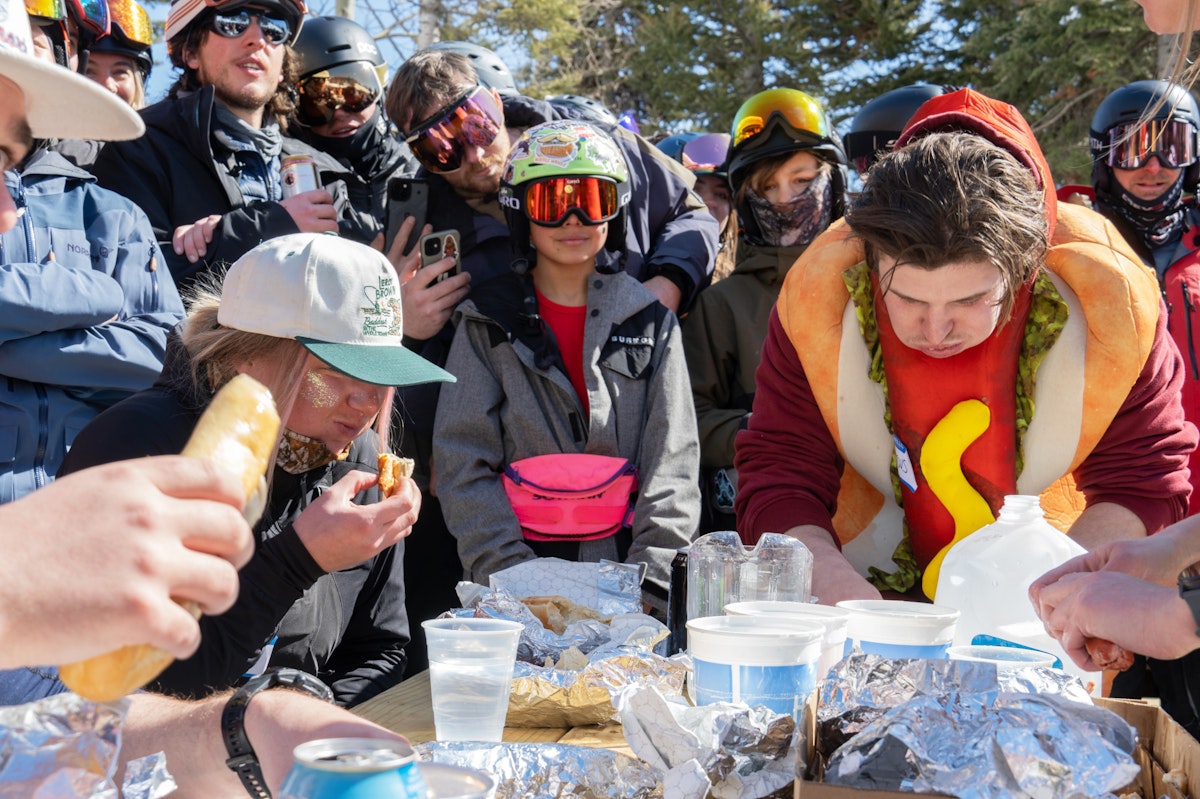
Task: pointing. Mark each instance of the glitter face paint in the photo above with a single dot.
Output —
(317, 392)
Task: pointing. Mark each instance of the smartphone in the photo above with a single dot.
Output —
(438, 245)
(405, 197)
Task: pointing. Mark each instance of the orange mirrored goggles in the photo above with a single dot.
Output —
(594, 199)
(46, 9)
(798, 109)
(133, 21)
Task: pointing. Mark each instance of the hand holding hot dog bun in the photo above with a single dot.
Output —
(392, 470)
(238, 430)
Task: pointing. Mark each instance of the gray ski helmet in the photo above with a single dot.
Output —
(1127, 105)
(328, 42)
(577, 106)
(492, 72)
(879, 123)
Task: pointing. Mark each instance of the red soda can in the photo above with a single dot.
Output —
(353, 768)
(298, 174)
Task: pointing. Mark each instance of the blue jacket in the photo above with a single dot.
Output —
(84, 314)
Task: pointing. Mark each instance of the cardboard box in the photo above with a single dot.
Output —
(1163, 746)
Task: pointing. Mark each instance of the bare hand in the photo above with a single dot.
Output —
(833, 578)
(340, 534)
(312, 211)
(193, 240)
(426, 304)
(94, 560)
(667, 292)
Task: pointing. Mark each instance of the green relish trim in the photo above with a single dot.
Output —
(1047, 318)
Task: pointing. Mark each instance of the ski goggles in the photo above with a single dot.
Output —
(1131, 145)
(795, 107)
(321, 95)
(90, 15)
(594, 199)
(705, 155)
(473, 120)
(47, 9)
(233, 24)
(132, 21)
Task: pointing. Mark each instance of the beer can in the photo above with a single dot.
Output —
(298, 174)
(353, 768)
(677, 603)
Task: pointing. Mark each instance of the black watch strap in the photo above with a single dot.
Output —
(242, 759)
(1189, 589)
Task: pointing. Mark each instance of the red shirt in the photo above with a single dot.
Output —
(566, 322)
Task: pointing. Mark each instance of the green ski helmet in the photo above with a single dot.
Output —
(562, 149)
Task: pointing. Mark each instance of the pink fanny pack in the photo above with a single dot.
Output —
(571, 497)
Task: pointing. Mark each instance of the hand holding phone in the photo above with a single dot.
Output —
(438, 245)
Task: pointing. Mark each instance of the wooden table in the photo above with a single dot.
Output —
(408, 709)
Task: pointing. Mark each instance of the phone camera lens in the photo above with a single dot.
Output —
(432, 247)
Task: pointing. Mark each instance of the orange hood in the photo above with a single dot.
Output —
(999, 123)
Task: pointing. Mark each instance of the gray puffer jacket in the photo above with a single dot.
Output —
(513, 400)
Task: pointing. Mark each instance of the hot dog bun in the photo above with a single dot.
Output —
(238, 430)
(391, 470)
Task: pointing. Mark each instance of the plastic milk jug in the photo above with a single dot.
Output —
(987, 574)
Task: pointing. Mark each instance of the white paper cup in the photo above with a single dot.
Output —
(470, 674)
(759, 660)
(898, 629)
(834, 620)
(1003, 657)
(456, 782)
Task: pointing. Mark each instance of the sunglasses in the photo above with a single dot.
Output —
(795, 107)
(321, 97)
(473, 120)
(1131, 145)
(132, 21)
(594, 200)
(233, 24)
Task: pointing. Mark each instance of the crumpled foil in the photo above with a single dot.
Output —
(968, 730)
(619, 653)
(723, 750)
(550, 771)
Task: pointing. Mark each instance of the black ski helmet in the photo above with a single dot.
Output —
(577, 106)
(1127, 105)
(492, 72)
(776, 122)
(325, 43)
(877, 125)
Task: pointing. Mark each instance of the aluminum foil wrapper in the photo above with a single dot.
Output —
(550, 771)
(723, 750)
(548, 697)
(862, 687)
(968, 730)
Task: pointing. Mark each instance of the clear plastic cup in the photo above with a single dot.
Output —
(1003, 657)
(470, 674)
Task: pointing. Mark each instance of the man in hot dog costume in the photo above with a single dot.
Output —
(958, 338)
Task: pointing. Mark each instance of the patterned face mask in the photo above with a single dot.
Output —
(799, 220)
(298, 454)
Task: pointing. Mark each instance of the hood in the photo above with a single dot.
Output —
(999, 123)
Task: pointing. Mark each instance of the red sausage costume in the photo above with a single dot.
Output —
(1081, 387)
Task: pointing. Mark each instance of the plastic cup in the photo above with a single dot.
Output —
(758, 660)
(1003, 657)
(834, 620)
(470, 674)
(898, 629)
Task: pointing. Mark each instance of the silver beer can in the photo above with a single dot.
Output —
(298, 174)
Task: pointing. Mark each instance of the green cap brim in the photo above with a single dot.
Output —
(379, 365)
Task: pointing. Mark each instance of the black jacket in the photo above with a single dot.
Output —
(177, 177)
(349, 628)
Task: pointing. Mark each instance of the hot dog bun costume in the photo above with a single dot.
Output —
(1075, 398)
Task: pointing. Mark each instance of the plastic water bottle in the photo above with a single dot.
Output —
(987, 576)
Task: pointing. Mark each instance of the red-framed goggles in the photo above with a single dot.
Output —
(795, 107)
(91, 15)
(322, 94)
(132, 21)
(593, 199)
(473, 120)
(1131, 145)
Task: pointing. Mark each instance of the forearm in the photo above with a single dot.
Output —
(1105, 522)
(189, 734)
(833, 578)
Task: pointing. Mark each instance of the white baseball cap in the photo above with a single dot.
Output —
(59, 103)
(338, 298)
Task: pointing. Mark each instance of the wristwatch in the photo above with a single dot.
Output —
(242, 759)
(1189, 589)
